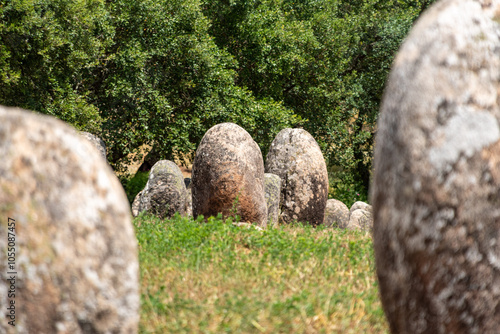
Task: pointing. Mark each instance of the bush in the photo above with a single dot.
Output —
(135, 184)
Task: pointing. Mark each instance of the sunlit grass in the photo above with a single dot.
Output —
(215, 277)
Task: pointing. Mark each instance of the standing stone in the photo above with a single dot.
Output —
(336, 214)
(436, 181)
(189, 198)
(360, 220)
(189, 202)
(76, 264)
(165, 192)
(272, 187)
(136, 203)
(96, 141)
(361, 205)
(296, 158)
(228, 175)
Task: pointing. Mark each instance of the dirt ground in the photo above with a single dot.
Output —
(132, 168)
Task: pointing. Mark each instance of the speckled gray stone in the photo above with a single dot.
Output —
(361, 205)
(165, 192)
(272, 187)
(228, 175)
(189, 198)
(189, 202)
(75, 247)
(136, 203)
(360, 219)
(436, 181)
(96, 141)
(296, 158)
(336, 214)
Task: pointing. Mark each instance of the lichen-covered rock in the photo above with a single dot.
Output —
(189, 198)
(361, 205)
(75, 261)
(136, 203)
(360, 220)
(228, 175)
(296, 158)
(436, 181)
(272, 188)
(189, 202)
(165, 192)
(336, 214)
(96, 141)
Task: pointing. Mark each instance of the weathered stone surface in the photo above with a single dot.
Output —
(228, 175)
(336, 214)
(136, 203)
(360, 220)
(189, 198)
(296, 158)
(361, 205)
(96, 141)
(165, 192)
(189, 202)
(75, 248)
(436, 181)
(272, 188)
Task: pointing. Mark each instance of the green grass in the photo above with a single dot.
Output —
(215, 277)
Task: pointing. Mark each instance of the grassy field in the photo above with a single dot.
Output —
(216, 277)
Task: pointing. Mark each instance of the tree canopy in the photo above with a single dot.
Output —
(160, 73)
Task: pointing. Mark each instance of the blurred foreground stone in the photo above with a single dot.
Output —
(75, 261)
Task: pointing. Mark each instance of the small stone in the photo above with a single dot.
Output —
(361, 205)
(165, 192)
(336, 214)
(360, 220)
(136, 203)
(272, 187)
(189, 202)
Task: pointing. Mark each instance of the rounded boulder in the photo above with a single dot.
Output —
(296, 158)
(436, 180)
(360, 220)
(97, 142)
(136, 203)
(165, 192)
(73, 260)
(228, 175)
(359, 205)
(336, 214)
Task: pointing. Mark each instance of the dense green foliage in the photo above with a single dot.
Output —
(214, 277)
(326, 60)
(160, 73)
(134, 185)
